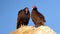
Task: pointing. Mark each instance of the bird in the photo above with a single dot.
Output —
(37, 17)
(23, 17)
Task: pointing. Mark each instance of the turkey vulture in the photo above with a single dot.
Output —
(37, 17)
(23, 17)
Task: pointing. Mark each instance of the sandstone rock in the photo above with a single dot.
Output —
(33, 30)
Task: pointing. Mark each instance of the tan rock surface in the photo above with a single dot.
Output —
(33, 30)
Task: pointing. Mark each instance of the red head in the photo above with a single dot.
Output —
(26, 9)
(34, 7)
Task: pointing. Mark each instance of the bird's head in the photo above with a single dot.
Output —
(34, 7)
(26, 10)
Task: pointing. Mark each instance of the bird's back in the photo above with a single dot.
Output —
(37, 18)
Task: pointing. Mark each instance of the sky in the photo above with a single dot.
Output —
(9, 10)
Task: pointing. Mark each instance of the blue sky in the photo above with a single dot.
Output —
(9, 10)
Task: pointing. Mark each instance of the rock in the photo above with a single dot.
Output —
(33, 30)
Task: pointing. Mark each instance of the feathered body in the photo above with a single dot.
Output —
(23, 17)
(37, 17)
